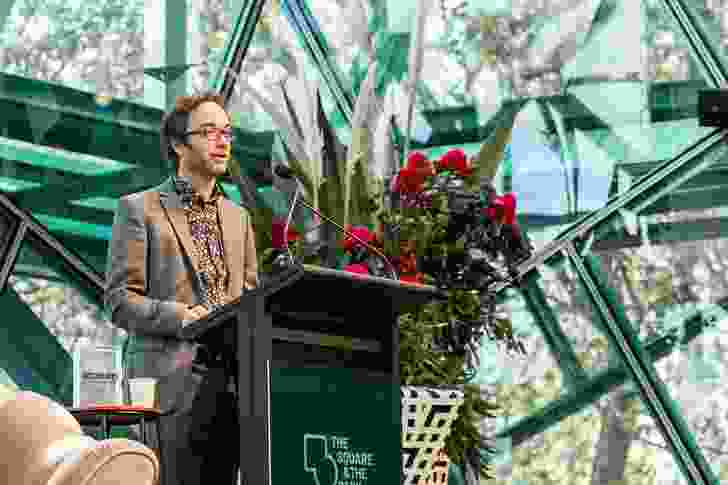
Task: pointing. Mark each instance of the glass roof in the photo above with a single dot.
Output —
(550, 71)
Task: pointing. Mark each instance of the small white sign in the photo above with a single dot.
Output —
(97, 376)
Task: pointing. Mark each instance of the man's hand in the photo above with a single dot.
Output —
(195, 313)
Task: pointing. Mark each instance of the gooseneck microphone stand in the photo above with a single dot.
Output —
(286, 173)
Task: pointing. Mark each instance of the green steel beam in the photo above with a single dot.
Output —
(314, 43)
(57, 256)
(32, 163)
(176, 14)
(665, 233)
(24, 172)
(641, 169)
(93, 253)
(6, 7)
(558, 343)
(47, 199)
(30, 354)
(707, 55)
(237, 47)
(600, 384)
(626, 174)
(15, 231)
(91, 216)
(56, 98)
(652, 390)
(674, 100)
(698, 198)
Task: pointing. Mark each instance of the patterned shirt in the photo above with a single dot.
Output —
(204, 222)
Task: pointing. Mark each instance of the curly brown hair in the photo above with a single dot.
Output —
(176, 123)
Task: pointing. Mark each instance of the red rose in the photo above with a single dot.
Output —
(409, 180)
(453, 159)
(457, 161)
(415, 279)
(503, 209)
(278, 241)
(357, 269)
(361, 232)
(419, 164)
(416, 160)
(408, 263)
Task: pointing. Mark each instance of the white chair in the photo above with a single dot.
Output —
(43, 445)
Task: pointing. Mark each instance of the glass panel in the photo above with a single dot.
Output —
(598, 91)
(548, 434)
(664, 258)
(612, 440)
(713, 16)
(662, 253)
(88, 46)
(55, 299)
(575, 315)
(531, 381)
(105, 47)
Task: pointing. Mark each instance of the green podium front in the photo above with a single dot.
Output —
(316, 356)
(334, 427)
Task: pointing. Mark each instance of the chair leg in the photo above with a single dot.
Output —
(105, 426)
(143, 431)
(159, 448)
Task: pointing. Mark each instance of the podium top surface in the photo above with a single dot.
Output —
(341, 292)
(329, 297)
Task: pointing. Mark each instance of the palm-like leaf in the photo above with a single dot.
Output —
(331, 196)
(359, 149)
(293, 141)
(491, 153)
(383, 148)
(291, 111)
(416, 52)
(333, 149)
(302, 95)
(358, 22)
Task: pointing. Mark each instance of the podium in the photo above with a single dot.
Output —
(330, 340)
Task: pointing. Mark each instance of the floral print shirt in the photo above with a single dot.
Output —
(204, 222)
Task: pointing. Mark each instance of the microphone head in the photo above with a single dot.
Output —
(283, 172)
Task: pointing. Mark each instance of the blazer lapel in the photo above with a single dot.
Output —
(232, 239)
(172, 205)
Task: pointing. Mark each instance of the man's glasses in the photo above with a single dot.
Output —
(214, 134)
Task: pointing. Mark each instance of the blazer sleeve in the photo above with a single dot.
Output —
(250, 257)
(126, 279)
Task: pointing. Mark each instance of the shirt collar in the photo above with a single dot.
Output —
(183, 187)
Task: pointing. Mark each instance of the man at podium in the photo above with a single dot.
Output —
(179, 251)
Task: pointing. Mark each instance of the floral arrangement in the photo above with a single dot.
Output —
(446, 228)
(438, 222)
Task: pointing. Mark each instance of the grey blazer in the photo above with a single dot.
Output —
(152, 276)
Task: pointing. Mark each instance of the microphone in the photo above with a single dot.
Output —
(285, 172)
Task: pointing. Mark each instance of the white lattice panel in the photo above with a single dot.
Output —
(427, 415)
